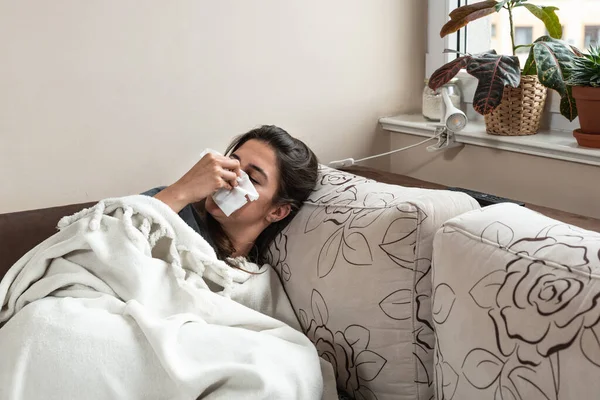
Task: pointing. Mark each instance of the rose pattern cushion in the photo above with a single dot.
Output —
(516, 307)
(355, 263)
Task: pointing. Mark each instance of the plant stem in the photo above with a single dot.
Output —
(512, 28)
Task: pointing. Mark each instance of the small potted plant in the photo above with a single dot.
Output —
(512, 99)
(584, 77)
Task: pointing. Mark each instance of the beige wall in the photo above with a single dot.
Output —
(552, 183)
(108, 97)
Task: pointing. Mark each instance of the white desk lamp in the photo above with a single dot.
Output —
(454, 120)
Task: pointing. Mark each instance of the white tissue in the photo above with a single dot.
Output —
(231, 200)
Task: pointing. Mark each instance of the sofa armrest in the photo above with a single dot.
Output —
(355, 264)
(515, 307)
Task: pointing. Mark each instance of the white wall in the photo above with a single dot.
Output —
(108, 97)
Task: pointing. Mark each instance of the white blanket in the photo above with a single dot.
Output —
(117, 305)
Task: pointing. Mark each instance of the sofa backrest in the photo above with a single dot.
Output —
(356, 265)
(21, 231)
(517, 300)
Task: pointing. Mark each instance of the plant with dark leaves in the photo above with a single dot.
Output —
(549, 58)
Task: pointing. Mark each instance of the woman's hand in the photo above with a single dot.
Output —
(210, 174)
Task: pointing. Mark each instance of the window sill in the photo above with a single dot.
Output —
(551, 144)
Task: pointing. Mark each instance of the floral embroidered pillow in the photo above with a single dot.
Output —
(522, 293)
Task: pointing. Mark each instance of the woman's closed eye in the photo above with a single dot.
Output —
(254, 169)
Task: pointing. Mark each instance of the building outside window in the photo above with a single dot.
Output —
(591, 35)
(523, 35)
(580, 20)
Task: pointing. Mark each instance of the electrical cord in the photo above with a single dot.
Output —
(350, 161)
(397, 150)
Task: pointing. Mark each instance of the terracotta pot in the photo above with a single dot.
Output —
(587, 139)
(588, 107)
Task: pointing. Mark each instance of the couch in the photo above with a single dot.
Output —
(356, 265)
(369, 284)
(515, 307)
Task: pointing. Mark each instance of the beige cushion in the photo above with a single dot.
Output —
(516, 307)
(356, 265)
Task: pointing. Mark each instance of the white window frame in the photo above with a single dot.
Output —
(437, 14)
(478, 39)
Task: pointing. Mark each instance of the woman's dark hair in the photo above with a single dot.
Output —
(297, 166)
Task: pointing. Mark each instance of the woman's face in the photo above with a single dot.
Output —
(259, 161)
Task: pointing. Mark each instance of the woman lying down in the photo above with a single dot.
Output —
(161, 297)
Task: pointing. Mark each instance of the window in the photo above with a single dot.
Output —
(476, 40)
(581, 28)
(523, 35)
(579, 19)
(591, 36)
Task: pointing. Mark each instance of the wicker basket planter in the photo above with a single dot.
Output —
(520, 111)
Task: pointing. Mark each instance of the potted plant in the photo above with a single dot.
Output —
(512, 99)
(585, 81)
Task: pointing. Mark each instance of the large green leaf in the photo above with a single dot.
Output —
(530, 68)
(448, 71)
(568, 108)
(461, 16)
(547, 38)
(553, 60)
(548, 16)
(493, 72)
